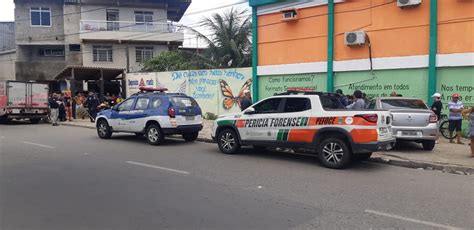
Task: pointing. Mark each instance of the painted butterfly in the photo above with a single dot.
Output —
(229, 99)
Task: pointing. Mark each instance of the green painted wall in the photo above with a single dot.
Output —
(269, 85)
(408, 82)
(456, 80)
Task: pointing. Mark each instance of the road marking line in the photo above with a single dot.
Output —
(411, 220)
(86, 153)
(45, 146)
(158, 167)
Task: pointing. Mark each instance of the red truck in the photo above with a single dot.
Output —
(23, 100)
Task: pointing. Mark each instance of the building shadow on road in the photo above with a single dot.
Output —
(168, 141)
(304, 159)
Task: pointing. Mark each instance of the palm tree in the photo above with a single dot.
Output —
(229, 44)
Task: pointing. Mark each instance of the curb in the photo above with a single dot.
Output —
(77, 125)
(456, 169)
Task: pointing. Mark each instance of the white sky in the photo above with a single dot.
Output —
(7, 14)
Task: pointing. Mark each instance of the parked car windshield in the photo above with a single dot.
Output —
(403, 104)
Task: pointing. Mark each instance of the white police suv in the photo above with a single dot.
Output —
(154, 113)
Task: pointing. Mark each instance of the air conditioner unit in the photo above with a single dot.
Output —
(354, 38)
(289, 15)
(405, 3)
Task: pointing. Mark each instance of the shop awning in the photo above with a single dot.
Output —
(85, 73)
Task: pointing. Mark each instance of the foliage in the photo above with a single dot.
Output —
(177, 60)
(210, 116)
(229, 43)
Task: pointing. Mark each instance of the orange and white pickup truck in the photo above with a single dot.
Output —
(307, 120)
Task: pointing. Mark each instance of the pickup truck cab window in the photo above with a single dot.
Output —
(268, 106)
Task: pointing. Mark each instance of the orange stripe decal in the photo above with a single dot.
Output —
(302, 135)
(364, 135)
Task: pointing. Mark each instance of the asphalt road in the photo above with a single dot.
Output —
(66, 178)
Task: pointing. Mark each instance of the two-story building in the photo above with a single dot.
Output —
(411, 47)
(52, 35)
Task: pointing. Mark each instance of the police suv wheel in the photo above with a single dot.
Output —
(190, 137)
(228, 142)
(153, 135)
(103, 129)
(334, 153)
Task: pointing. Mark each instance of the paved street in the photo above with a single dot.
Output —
(66, 178)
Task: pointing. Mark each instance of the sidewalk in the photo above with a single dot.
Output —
(446, 157)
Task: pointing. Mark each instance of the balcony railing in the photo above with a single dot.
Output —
(127, 26)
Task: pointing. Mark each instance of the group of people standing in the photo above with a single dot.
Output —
(357, 101)
(86, 104)
(457, 112)
(61, 107)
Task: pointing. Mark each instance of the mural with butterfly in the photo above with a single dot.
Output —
(230, 100)
(217, 91)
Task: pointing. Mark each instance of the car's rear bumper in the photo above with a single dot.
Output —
(372, 146)
(182, 129)
(430, 132)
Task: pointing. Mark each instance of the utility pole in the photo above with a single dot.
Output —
(127, 53)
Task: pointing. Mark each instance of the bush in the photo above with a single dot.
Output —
(210, 116)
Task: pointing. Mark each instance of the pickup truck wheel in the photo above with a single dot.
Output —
(428, 145)
(35, 120)
(154, 136)
(190, 137)
(228, 142)
(363, 156)
(103, 130)
(334, 153)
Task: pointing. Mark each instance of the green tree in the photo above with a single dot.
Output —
(177, 60)
(229, 42)
(229, 46)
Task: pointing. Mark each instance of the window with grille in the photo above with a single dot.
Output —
(102, 53)
(40, 16)
(144, 53)
(51, 52)
(142, 17)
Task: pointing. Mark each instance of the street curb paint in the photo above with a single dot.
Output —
(424, 165)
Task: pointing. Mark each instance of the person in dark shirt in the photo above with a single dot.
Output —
(343, 100)
(92, 102)
(246, 101)
(437, 106)
(54, 109)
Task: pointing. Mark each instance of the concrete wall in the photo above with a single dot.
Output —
(32, 70)
(24, 30)
(119, 55)
(30, 53)
(7, 65)
(72, 17)
(125, 13)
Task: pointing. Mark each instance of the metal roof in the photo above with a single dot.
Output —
(87, 73)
